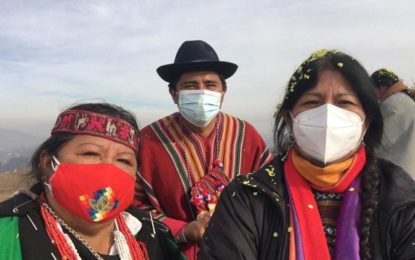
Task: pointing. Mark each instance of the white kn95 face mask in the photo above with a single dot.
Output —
(327, 133)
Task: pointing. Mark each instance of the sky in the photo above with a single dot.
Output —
(57, 53)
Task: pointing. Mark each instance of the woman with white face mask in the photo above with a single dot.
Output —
(325, 195)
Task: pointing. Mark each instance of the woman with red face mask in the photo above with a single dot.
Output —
(326, 195)
(80, 208)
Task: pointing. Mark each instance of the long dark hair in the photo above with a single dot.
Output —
(52, 145)
(305, 78)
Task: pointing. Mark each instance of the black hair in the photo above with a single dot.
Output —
(53, 144)
(305, 78)
(384, 78)
(173, 84)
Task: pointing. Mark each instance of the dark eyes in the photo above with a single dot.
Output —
(125, 161)
(188, 86)
(338, 103)
(95, 154)
(345, 102)
(310, 102)
(211, 86)
(90, 154)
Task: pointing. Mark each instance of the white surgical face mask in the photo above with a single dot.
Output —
(199, 107)
(327, 133)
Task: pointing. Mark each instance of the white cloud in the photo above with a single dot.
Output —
(53, 53)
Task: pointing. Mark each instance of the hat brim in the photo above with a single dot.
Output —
(171, 72)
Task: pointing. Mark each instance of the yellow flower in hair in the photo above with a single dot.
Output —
(388, 73)
(318, 54)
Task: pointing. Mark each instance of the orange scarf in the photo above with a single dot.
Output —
(328, 178)
(307, 239)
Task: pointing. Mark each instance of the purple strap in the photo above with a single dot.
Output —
(347, 236)
(347, 233)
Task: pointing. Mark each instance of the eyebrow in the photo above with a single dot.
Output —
(210, 81)
(88, 143)
(196, 82)
(128, 153)
(188, 82)
(102, 147)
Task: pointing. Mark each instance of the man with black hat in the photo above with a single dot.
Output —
(189, 156)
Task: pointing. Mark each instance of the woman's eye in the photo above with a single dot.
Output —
(125, 161)
(345, 102)
(90, 154)
(310, 102)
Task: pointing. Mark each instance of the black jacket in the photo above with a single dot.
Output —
(35, 243)
(251, 219)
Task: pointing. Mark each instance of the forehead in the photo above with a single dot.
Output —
(330, 81)
(199, 75)
(104, 143)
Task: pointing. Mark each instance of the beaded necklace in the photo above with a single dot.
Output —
(124, 241)
(126, 244)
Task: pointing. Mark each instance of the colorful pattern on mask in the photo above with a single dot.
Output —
(100, 203)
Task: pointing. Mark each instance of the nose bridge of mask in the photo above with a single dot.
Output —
(189, 96)
(200, 96)
(316, 117)
(328, 115)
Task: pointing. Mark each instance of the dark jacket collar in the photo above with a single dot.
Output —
(397, 189)
(269, 180)
(20, 203)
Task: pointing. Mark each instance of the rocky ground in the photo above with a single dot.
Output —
(11, 182)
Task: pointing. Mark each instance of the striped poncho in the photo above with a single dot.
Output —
(173, 159)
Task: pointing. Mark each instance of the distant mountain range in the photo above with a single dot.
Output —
(16, 149)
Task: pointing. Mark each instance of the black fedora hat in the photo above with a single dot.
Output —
(195, 56)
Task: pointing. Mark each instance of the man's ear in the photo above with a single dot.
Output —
(174, 95)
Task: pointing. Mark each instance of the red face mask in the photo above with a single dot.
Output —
(95, 192)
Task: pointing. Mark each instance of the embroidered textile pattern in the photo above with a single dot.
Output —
(91, 123)
(100, 203)
(329, 204)
(190, 155)
(205, 193)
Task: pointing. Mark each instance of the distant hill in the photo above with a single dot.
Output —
(16, 149)
(11, 182)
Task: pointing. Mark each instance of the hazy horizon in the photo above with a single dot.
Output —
(56, 53)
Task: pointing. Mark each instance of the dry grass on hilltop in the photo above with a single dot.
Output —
(12, 181)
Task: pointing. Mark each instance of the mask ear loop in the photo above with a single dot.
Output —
(290, 138)
(54, 163)
(362, 139)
